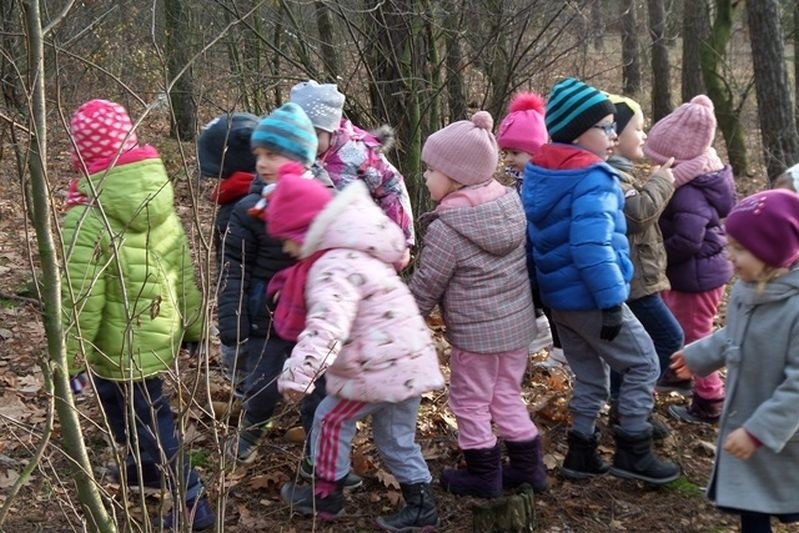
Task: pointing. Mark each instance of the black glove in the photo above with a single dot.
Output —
(611, 323)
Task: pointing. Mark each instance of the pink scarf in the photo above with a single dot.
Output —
(289, 285)
(704, 163)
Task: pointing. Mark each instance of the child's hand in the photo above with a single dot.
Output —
(739, 444)
(679, 367)
(293, 396)
(664, 170)
(404, 262)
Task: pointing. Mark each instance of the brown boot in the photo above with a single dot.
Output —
(700, 411)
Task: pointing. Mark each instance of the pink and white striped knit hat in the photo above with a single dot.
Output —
(102, 131)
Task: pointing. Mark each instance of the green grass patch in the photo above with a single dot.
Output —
(6, 303)
(685, 487)
(200, 458)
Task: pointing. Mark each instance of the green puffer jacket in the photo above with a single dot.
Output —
(133, 308)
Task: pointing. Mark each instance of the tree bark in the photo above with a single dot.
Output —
(88, 494)
(661, 70)
(695, 27)
(456, 93)
(598, 25)
(712, 54)
(774, 107)
(796, 62)
(328, 49)
(631, 62)
(180, 88)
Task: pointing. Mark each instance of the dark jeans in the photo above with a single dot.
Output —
(662, 327)
(153, 428)
(265, 360)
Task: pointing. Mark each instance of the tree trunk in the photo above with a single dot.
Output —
(598, 25)
(695, 27)
(509, 514)
(97, 517)
(630, 56)
(661, 70)
(455, 85)
(712, 53)
(796, 61)
(774, 107)
(332, 65)
(180, 88)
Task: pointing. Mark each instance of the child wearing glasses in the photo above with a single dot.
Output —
(697, 267)
(577, 233)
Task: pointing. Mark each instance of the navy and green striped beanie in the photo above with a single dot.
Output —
(573, 107)
(287, 131)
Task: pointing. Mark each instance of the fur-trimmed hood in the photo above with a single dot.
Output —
(353, 220)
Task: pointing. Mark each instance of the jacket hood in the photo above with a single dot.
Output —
(719, 189)
(782, 288)
(137, 194)
(544, 189)
(558, 156)
(498, 227)
(353, 221)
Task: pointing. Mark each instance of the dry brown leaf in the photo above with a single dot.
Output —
(271, 481)
(387, 479)
(8, 478)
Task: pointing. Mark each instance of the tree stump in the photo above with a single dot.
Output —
(508, 514)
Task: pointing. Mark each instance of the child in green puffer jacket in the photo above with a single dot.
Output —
(129, 298)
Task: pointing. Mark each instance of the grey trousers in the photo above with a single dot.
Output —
(631, 354)
(393, 429)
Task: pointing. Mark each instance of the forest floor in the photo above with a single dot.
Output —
(247, 497)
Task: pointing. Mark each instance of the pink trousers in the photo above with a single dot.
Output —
(486, 387)
(695, 312)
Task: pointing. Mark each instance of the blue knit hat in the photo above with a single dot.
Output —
(224, 145)
(288, 131)
(573, 107)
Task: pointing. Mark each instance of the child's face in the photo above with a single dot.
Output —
(747, 266)
(267, 162)
(599, 139)
(439, 184)
(292, 248)
(632, 138)
(324, 138)
(517, 159)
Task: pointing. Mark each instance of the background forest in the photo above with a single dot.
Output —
(414, 64)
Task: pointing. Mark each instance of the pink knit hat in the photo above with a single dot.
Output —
(294, 203)
(684, 134)
(465, 151)
(523, 129)
(102, 131)
(767, 224)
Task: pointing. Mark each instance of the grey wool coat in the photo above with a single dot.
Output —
(760, 347)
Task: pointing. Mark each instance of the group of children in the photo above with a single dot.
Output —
(314, 226)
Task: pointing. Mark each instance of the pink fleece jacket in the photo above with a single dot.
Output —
(363, 326)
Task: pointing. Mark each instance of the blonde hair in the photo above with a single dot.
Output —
(769, 274)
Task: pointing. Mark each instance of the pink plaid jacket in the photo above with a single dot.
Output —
(473, 265)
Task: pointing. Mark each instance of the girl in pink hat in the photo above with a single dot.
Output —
(473, 266)
(521, 133)
(355, 321)
(697, 265)
(130, 300)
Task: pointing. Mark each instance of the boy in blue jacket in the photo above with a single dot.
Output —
(577, 238)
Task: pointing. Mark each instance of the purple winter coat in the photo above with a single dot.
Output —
(693, 233)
